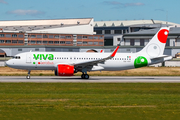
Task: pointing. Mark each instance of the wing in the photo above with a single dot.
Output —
(89, 64)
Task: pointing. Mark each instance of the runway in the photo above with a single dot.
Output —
(93, 79)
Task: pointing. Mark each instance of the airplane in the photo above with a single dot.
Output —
(68, 63)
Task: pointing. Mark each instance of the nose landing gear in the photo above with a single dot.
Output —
(28, 76)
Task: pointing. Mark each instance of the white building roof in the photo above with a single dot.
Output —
(46, 22)
(130, 23)
(57, 26)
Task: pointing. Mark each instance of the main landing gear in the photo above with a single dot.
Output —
(28, 76)
(85, 76)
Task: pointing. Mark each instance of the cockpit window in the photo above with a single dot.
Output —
(16, 57)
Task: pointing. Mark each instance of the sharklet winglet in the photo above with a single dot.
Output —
(115, 51)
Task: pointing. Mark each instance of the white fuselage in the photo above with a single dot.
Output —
(44, 60)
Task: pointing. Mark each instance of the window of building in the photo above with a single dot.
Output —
(141, 42)
(52, 49)
(118, 39)
(101, 43)
(62, 42)
(1, 35)
(32, 36)
(98, 31)
(14, 41)
(85, 43)
(90, 37)
(8, 41)
(117, 31)
(1, 41)
(19, 49)
(33, 42)
(68, 42)
(132, 42)
(124, 31)
(85, 37)
(107, 31)
(68, 37)
(56, 36)
(79, 43)
(14, 35)
(101, 37)
(96, 37)
(39, 42)
(63, 37)
(8, 35)
(56, 42)
(51, 36)
(90, 43)
(95, 43)
(39, 36)
(20, 41)
(51, 42)
(44, 42)
(79, 37)
(45, 36)
(20, 36)
(36, 49)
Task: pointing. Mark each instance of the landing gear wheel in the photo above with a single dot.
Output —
(82, 76)
(27, 77)
(85, 76)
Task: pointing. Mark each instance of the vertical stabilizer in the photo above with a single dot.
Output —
(156, 45)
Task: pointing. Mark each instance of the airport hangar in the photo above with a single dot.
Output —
(82, 35)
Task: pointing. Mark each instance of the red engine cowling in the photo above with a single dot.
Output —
(64, 70)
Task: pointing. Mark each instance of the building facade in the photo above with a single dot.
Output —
(21, 39)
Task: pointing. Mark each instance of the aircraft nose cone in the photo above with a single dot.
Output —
(6, 63)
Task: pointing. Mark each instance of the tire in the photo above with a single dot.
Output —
(82, 76)
(86, 76)
(27, 77)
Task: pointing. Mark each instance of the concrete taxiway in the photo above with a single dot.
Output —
(93, 79)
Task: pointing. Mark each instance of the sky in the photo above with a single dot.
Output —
(100, 10)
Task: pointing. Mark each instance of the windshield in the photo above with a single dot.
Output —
(16, 57)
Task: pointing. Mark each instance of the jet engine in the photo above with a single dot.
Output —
(64, 70)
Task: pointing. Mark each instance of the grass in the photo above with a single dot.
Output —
(145, 71)
(89, 101)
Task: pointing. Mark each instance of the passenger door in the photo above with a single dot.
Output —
(28, 58)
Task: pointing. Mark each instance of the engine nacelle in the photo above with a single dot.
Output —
(64, 70)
